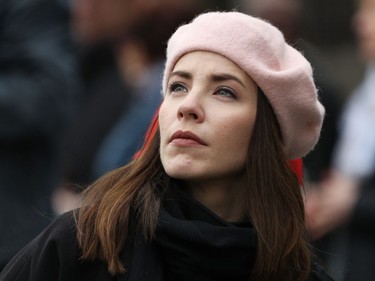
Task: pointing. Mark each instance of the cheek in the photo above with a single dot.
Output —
(164, 116)
(236, 135)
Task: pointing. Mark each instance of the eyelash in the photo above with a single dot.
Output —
(227, 91)
(174, 86)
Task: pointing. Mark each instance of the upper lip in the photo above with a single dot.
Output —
(187, 135)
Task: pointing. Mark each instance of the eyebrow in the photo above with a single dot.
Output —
(218, 77)
(225, 77)
(182, 74)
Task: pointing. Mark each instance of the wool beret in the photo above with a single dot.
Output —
(278, 69)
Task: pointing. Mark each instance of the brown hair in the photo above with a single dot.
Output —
(274, 204)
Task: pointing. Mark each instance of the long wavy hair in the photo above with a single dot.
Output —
(274, 205)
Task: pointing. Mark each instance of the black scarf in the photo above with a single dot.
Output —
(195, 244)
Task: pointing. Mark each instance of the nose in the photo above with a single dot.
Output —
(191, 108)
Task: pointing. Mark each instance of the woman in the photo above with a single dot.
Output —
(212, 196)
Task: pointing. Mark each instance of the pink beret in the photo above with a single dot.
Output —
(259, 48)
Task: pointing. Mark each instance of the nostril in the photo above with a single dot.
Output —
(194, 116)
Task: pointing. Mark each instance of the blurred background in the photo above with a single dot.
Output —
(80, 84)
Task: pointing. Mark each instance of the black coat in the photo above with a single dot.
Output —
(39, 88)
(55, 256)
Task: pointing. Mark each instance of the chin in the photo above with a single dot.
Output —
(181, 173)
(178, 174)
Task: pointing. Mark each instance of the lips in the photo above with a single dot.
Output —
(186, 138)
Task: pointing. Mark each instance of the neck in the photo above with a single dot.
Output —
(224, 199)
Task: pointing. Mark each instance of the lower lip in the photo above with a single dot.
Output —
(185, 142)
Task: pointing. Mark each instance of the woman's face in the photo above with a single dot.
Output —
(206, 119)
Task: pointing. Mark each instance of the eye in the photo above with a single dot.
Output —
(177, 87)
(225, 92)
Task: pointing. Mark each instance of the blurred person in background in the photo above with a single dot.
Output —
(96, 28)
(347, 196)
(39, 87)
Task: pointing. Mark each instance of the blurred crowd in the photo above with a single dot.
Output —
(80, 84)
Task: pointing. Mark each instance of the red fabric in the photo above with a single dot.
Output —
(151, 131)
(296, 165)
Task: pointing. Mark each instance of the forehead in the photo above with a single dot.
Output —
(205, 62)
(212, 67)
